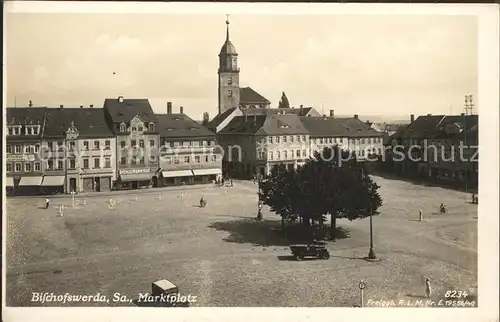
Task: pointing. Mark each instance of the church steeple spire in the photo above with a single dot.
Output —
(227, 27)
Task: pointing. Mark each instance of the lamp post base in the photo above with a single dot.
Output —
(371, 256)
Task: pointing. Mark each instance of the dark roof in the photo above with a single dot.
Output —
(468, 123)
(180, 125)
(267, 124)
(340, 127)
(26, 116)
(228, 48)
(423, 127)
(125, 111)
(249, 96)
(90, 122)
(219, 118)
(390, 127)
(400, 132)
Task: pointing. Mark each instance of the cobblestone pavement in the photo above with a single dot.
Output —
(224, 257)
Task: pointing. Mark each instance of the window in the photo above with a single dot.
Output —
(270, 155)
(291, 138)
(122, 144)
(230, 93)
(60, 146)
(72, 163)
(197, 159)
(270, 139)
(303, 138)
(168, 160)
(152, 158)
(362, 141)
(10, 130)
(60, 164)
(134, 128)
(212, 143)
(16, 130)
(18, 167)
(38, 167)
(304, 153)
(297, 153)
(176, 160)
(50, 164)
(9, 148)
(206, 158)
(186, 160)
(277, 155)
(186, 144)
(330, 140)
(139, 128)
(123, 160)
(230, 81)
(123, 128)
(277, 139)
(214, 158)
(8, 167)
(85, 163)
(97, 163)
(141, 143)
(86, 145)
(27, 167)
(26, 149)
(96, 145)
(141, 160)
(134, 143)
(285, 155)
(151, 127)
(71, 145)
(107, 145)
(152, 143)
(205, 143)
(27, 130)
(107, 163)
(284, 139)
(261, 155)
(133, 161)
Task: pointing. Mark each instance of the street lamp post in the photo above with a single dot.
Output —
(371, 253)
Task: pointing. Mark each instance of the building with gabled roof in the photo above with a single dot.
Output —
(23, 162)
(188, 151)
(253, 144)
(134, 125)
(81, 150)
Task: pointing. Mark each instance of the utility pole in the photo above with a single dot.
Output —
(469, 105)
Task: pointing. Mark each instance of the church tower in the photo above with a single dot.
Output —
(229, 75)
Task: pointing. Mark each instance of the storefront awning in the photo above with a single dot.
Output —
(178, 173)
(136, 177)
(9, 182)
(30, 181)
(206, 172)
(53, 181)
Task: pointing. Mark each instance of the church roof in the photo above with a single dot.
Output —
(228, 48)
(249, 96)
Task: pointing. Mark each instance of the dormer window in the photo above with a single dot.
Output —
(151, 127)
(123, 127)
(134, 129)
(10, 130)
(140, 129)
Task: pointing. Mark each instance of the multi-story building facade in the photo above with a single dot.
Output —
(134, 125)
(88, 146)
(189, 152)
(23, 161)
(254, 144)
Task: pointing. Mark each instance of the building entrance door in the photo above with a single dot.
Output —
(72, 184)
(97, 184)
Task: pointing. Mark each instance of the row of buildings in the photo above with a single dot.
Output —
(124, 144)
(442, 148)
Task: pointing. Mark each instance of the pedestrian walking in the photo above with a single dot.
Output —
(231, 183)
(428, 290)
(420, 215)
(47, 203)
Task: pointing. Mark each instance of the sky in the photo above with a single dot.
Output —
(385, 65)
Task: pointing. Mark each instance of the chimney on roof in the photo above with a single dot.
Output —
(91, 105)
(356, 116)
(120, 99)
(429, 114)
(30, 104)
(412, 118)
(61, 106)
(181, 109)
(332, 113)
(81, 106)
(462, 114)
(301, 106)
(169, 107)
